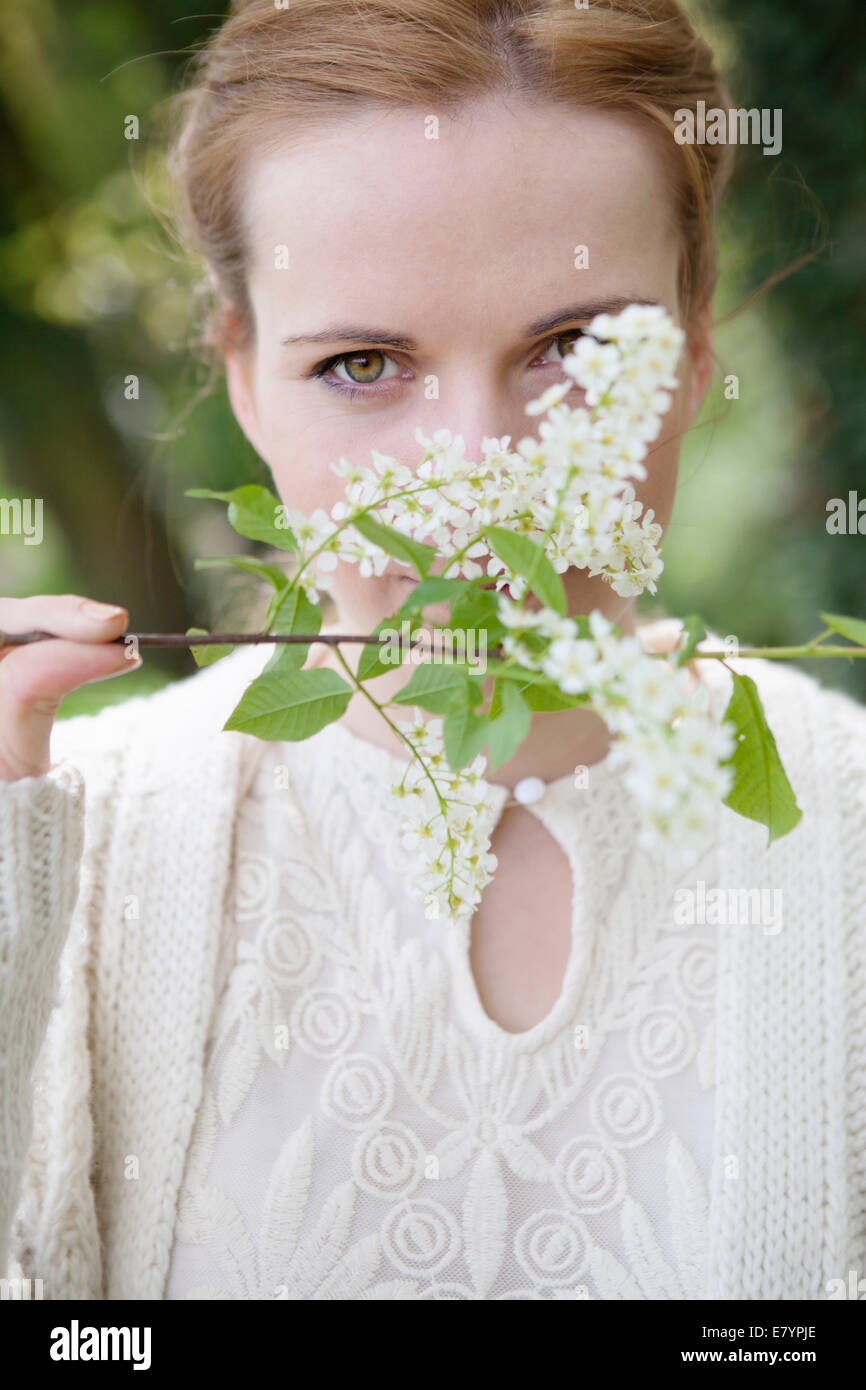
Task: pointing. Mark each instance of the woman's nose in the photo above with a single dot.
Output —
(476, 413)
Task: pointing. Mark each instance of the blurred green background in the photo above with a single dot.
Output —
(93, 291)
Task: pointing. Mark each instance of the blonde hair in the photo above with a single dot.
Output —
(319, 59)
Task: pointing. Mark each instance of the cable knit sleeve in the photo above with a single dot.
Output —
(60, 853)
(847, 727)
(41, 842)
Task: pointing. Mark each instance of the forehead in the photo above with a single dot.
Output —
(484, 219)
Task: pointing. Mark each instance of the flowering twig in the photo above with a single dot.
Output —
(334, 639)
(210, 639)
(782, 653)
(505, 527)
(519, 518)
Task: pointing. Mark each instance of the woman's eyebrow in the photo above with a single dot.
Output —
(612, 305)
(352, 333)
(358, 333)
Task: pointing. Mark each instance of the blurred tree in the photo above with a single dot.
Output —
(809, 61)
(92, 292)
(77, 274)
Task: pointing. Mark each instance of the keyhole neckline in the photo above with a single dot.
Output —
(568, 815)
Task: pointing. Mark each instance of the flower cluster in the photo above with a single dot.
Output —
(672, 750)
(570, 489)
(447, 822)
(671, 747)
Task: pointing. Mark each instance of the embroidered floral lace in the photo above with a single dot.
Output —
(367, 1131)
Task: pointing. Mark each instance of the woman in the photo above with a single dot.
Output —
(266, 1074)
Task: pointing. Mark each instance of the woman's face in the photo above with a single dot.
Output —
(399, 280)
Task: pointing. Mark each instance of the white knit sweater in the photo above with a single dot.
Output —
(121, 875)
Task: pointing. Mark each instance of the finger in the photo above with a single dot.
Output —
(68, 615)
(33, 681)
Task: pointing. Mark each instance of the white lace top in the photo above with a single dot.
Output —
(367, 1131)
(567, 1160)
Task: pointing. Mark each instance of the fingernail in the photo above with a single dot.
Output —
(100, 612)
(132, 664)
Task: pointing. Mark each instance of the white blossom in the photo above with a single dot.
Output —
(447, 820)
(571, 490)
(672, 749)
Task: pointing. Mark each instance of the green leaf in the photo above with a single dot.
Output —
(397, 647)
(272, 573)
(852, 628)
(694, 631)
(206, 656)
(295, 613)
(290, 707)
(510, 672)
(437, 686)
(761, 790)
(394, 543)
(537, 689)
(510, 725)
(478, 610)
(546, 695)
(524, 557)
(496, 701)
(432, 590)
(253, 512)
(464, 735)
(371, 664)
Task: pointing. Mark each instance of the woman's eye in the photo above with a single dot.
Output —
(563, 344)
(369, 366)
(362, 368)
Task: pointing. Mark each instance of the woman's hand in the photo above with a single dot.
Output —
(35, 677)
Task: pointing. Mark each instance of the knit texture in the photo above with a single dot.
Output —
(118, 923)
